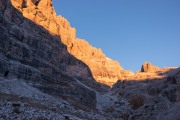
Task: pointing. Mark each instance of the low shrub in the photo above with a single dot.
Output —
(136, 101)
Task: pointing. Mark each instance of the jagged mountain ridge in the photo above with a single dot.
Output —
(104, 70)
(44, 82)
(30, 52)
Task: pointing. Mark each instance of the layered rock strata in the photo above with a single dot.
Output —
(28, 51)
(104, 70)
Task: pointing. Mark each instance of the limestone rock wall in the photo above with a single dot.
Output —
(104, 70)
(30, 52)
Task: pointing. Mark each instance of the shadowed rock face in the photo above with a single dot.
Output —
(153, 95)
(103, 69)
(32, 49)
(28, 51)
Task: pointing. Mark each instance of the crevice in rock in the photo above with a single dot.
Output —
(4, 7)
(37, 2)
(24, 4)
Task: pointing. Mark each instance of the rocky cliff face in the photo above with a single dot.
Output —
(103, 69)
(29, 51)
(40, 79)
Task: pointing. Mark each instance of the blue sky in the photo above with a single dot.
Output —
(129, 31)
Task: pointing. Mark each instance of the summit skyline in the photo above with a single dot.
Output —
(129, 32)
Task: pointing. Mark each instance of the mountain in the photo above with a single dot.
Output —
(48, 73)
(150, 95)
(102, 68)
(28, 51)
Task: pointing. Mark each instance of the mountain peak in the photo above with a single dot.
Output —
(148, 67)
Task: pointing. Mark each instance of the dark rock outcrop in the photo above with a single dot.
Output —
(151, 97)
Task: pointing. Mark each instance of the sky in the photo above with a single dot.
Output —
(129, 31)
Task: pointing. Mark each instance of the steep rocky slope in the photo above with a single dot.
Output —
(42, 13)
(20, 101)
(150, 96)
(40, 79)
(30, 52)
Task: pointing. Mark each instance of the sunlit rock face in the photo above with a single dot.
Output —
(40, 68)
(104, 70)
(148, 72)
(31, 49)
(148, 67)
